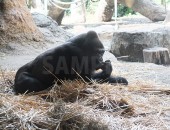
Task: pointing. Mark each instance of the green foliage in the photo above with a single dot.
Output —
(124, 11)
(67, 12)
(29, 3)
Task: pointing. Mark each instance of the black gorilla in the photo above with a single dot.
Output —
(79, 57)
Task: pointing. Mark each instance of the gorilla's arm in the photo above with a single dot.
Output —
(106, 68)
(105, 75)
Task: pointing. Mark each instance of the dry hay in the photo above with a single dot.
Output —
(77, 105)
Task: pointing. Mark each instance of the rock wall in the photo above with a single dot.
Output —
(130, 41)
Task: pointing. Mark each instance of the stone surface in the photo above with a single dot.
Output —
(41, 20)
(50, 29)
(131, 40)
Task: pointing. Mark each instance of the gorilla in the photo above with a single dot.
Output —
(79, 57)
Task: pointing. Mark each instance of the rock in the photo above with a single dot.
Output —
(50, 29)
(131, 40)
(42, 20)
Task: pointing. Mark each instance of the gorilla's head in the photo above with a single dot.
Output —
(92, 42)
(90, 46)
(93, 48)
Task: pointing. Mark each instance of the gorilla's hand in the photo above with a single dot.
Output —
(106, 68)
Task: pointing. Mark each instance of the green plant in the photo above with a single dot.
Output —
(68, 12)
(124, 11)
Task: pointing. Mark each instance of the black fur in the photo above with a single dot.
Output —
(81, 55)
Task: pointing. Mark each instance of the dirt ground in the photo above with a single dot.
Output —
(133, 71)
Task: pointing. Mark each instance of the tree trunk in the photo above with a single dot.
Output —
(167, 19)
(148, 8)
(16, 22)
(36, 3)
(83, 10)
(57, 13)
(157, 55)
(105, 10)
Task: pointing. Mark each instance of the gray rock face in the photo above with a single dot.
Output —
(131, 41)
(42, 20)
(50, 29)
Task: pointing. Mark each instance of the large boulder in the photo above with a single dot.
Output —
(50, 29)
(43, 21)
(131, 40)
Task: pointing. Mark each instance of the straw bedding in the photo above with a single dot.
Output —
(77, 105)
